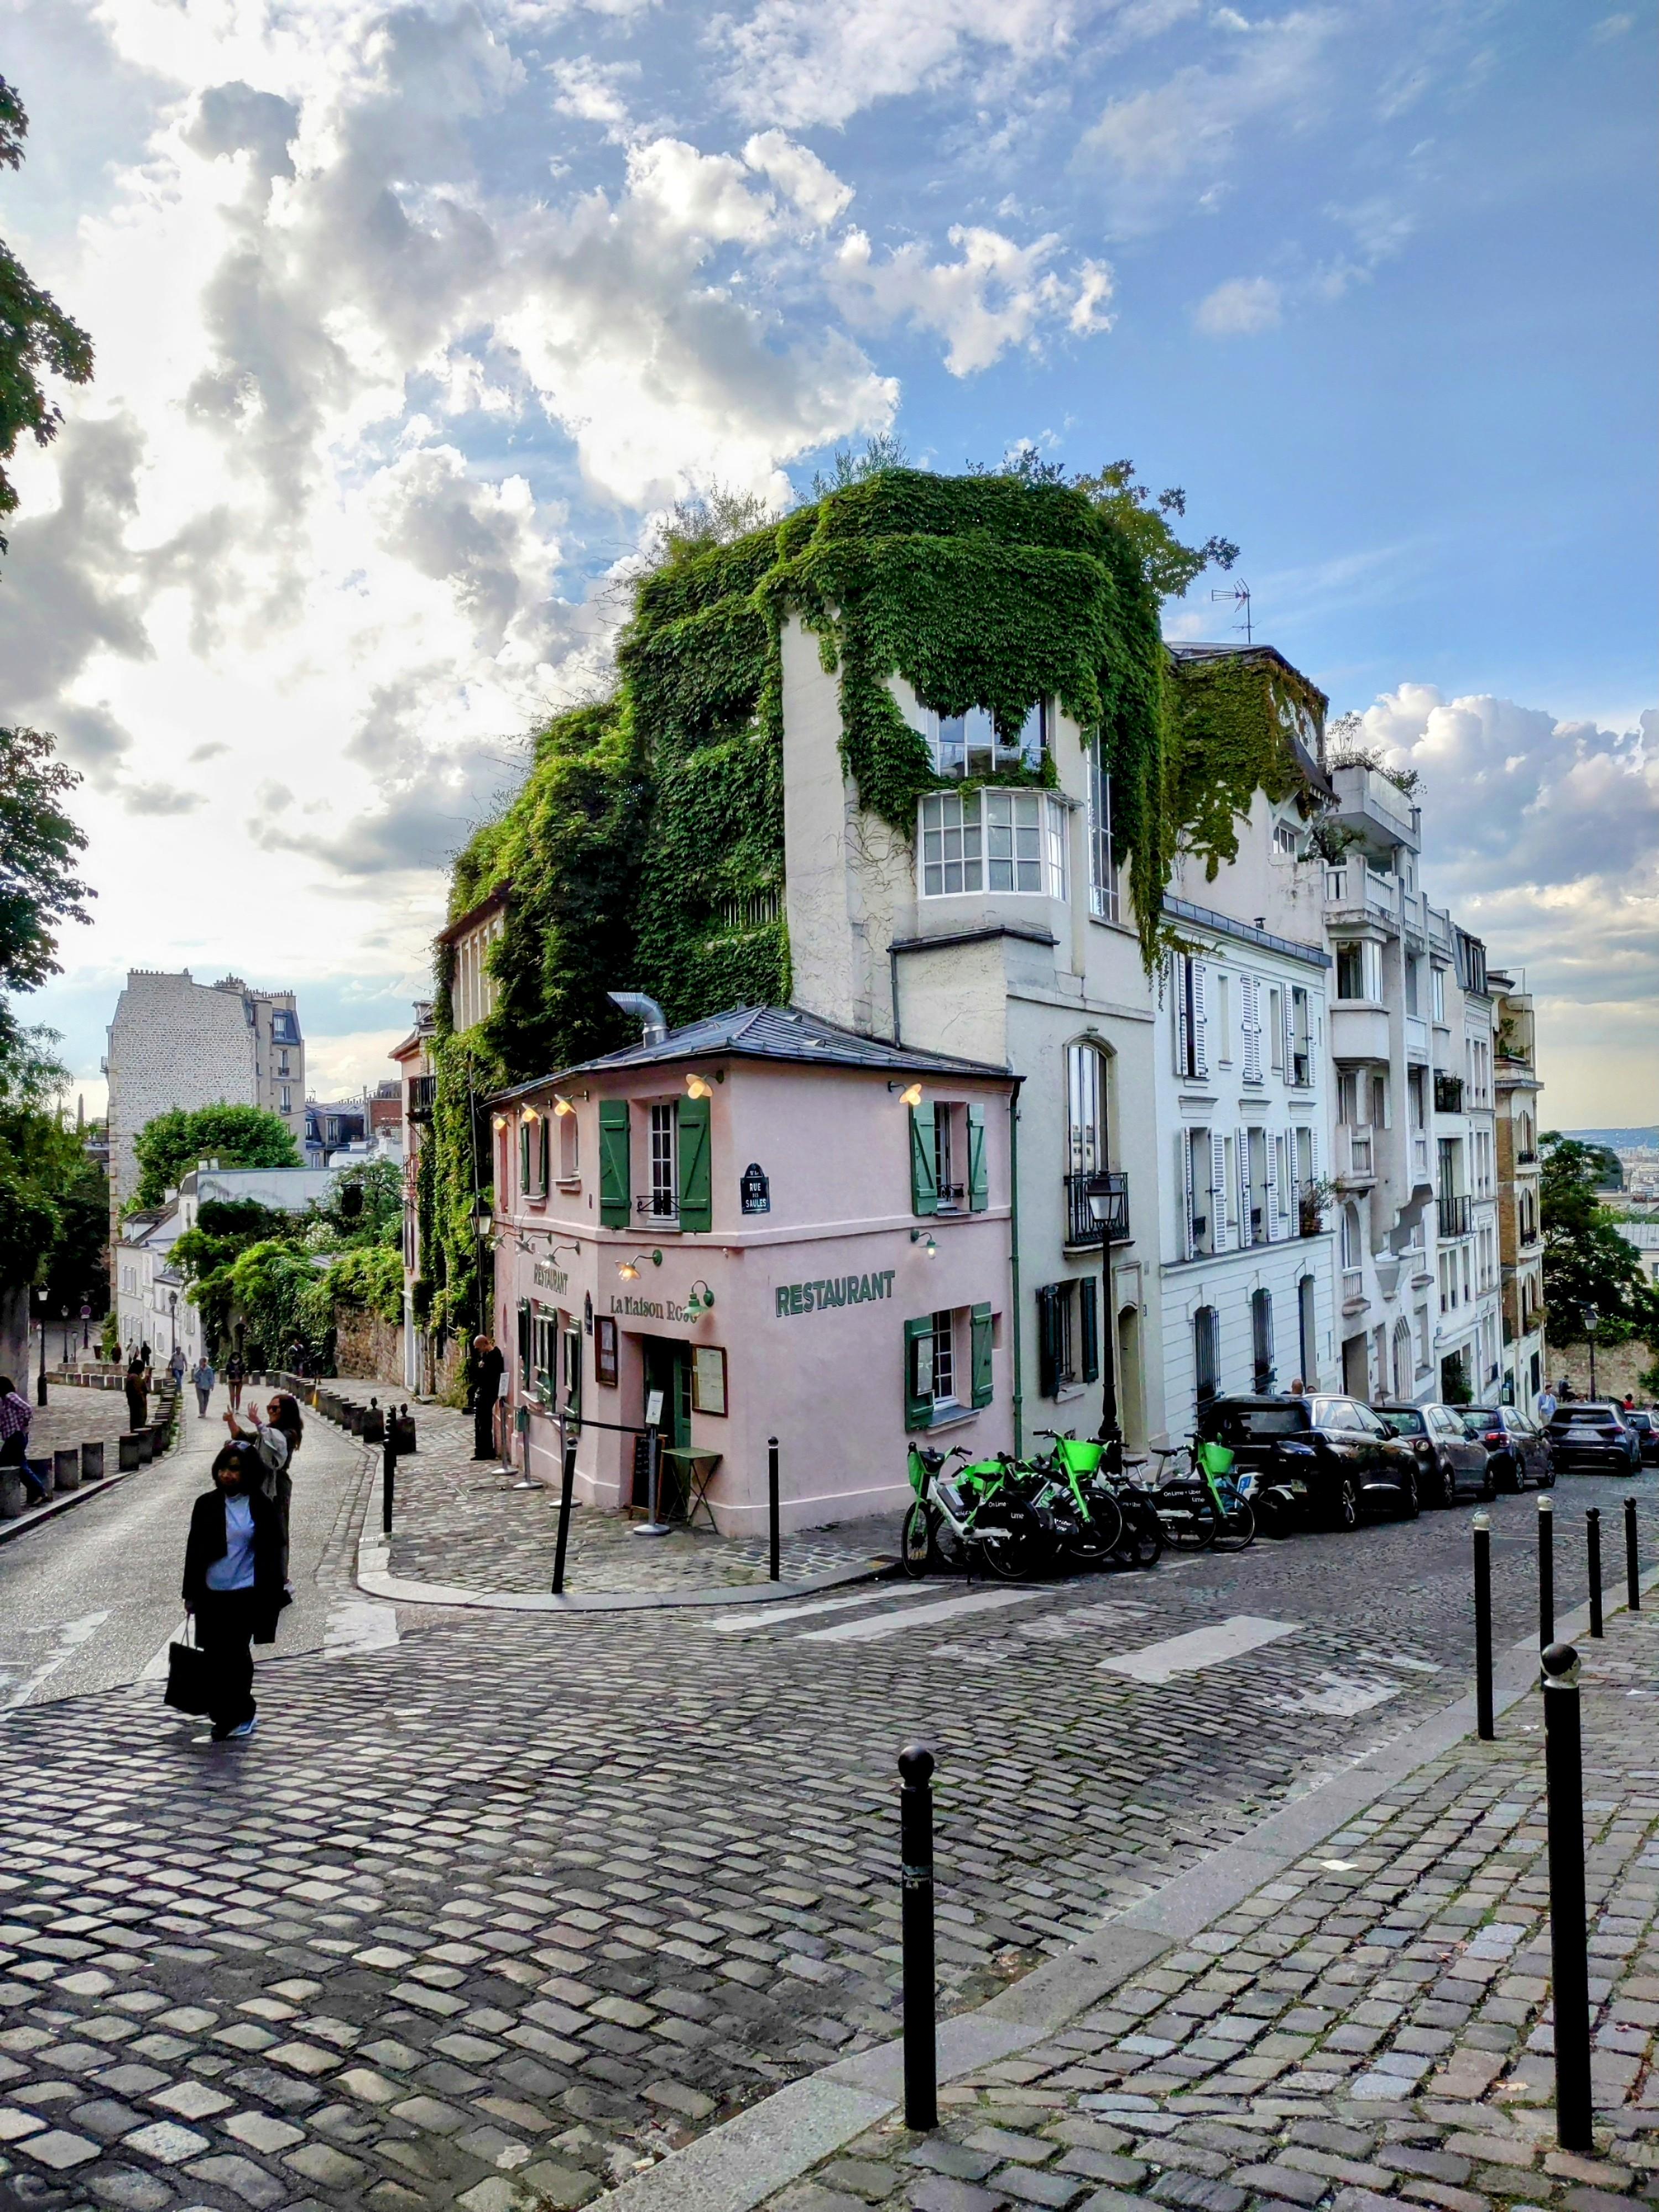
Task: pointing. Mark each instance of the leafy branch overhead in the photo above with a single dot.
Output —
(37, 338)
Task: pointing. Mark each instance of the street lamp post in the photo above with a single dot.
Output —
(1100, 1208)
(172, 1321)
(40, 1386)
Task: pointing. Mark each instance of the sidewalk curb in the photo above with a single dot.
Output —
(373, 1576)
(738, 2165)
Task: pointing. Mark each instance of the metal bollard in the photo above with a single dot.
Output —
(1546, 1571)
(1484, 1727)
(567, 1487)
(1593, 1531)
(1632, 1582)
(772, 1501)
(916, 1936)
(388, 1472)
(1569, 1948)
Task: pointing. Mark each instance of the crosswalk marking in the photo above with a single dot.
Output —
(1200, 1647)
(759, 1617)
(926, 1616)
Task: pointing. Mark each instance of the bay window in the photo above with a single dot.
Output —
(992, 841)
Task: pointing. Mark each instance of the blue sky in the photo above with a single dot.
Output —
(409, 322)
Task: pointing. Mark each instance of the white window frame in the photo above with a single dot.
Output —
(665, 1161)
(1105, 898)
(995, 833)
(943, 1357)
(970, 745)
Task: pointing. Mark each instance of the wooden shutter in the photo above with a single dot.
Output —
(1201, 1025)
(524, 1160)
(1250, 992)
(616, 1174)
(1047, 1342)
(1287, 1012)
(1184, 1192)
(924, 1184)
(1179, 964)
(1242, 1151)
(979, 1174)
(545, 1150)
(1270, 1202)
(1217, 1192)
(1088, 1327)
(980, 1339)
(919, 1373)
(523, 1343)
(696, 1187)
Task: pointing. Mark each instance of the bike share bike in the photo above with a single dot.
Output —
(1016, 1516)
(1200, 1499)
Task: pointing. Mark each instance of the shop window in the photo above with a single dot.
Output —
(992, 841)
(544, 1355)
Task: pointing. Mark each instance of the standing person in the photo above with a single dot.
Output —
(138, 1389)
(15, 1414)
(143, 1352)
(275, 1440)
(1298, 1388)
(235, 1376)
(233, 1586)
(204, 1378)
(1545, 1405)
(488, 1368)
(177, 1365)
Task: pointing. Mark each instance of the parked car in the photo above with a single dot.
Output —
(1325, 1460)
(1595, 1436)
(1448, 1459)
(1645, 1422)
(1517, 1451)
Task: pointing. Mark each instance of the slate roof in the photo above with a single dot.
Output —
(778, 1033)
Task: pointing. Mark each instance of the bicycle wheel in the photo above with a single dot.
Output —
(1188, 1515)
(1008, 1550)
(916, 1550)
(1142, 1543)
(1236, 1530)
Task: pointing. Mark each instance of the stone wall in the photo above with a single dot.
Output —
(1617, 1367)
(369, 1347)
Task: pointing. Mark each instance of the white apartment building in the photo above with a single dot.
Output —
(1520, 1240)
(1469, 1283)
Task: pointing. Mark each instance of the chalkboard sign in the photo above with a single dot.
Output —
(755, 1191)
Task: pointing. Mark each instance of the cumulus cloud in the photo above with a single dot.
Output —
(1239, 308)
(995, 294)
(798, 173)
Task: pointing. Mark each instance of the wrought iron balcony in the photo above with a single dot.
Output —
(1525, 1159)
(423, 1097)
(1453, 1215)
(1111, 1190)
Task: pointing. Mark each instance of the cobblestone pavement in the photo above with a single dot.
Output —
(459, 1521)
(1371, 2030)
(490, 1917)
(73, 1415)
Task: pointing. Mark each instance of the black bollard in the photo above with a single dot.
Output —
(1569, 1949)
(1593, 1531)
(566, 1486)
(1632, 1583)
(1546, 1572)
(388, 1469)
(916, 1936)
(1484, 1727)
(772, 1500)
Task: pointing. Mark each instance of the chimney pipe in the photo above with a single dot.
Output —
(645, 1011)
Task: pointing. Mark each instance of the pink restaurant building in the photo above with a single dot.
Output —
(758, 1225)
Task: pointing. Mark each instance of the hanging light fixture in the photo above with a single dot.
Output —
(911, 1095)
(532, 1115)
(629, 1269)
(925, 1238)
(698, 1086)
(561, 1106)
(700, 1300)
(499, 1122)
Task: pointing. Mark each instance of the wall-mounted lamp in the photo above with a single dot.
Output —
(532, 1115)
(698, 1086)
(561, 1106)
(699, 1300)
(911, 1095)
(629, 1269)
(925, 1238)
(483, 1220)
(574, 1250)
(499, 1121)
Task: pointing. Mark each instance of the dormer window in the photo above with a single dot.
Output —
(970, 745)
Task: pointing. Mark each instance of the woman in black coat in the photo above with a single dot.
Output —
(234, 1581)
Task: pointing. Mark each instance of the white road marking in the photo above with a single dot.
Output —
(71, 1635)
(757, 1617)
(359, 1625)
(1200, 1647)
(926, 1616)
(1397, 1659)
(156, 1668)
(1340, 1695)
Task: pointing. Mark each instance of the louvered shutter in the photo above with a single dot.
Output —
(919, 1373)
(1218, 1193)
(1270, 1204)
(615, 1175)
(524, 1160)
(980, 1343)
(1201, 1041)
(1287, 1009)
(1179, 964)
(979, 1177)
(1184, 1192)
(696, 1191)
(1242, 1165)
(1252, 994)
(1088, 1327)
(924, 1182)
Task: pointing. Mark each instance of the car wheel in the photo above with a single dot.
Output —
(1448, 1482)
(1408, 1506)
(1546, 1479)
(1488, 1484)
(1345, 1506)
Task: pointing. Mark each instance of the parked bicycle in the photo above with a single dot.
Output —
(975, 1511)
(1100, 1516)
(1198, 1499)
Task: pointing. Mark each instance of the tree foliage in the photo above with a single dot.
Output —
(169, 1146)
(1589, 1268)
(37, 338)
(38, 887)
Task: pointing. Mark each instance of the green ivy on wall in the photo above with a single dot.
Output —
(1232, 722)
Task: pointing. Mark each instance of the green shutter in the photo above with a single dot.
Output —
(1047, 1343)
(919, 1373)
(545, 1153)
(981, 1359)
(924, 1183)
(573, 1372)
(696, 1200)
(979, 1174)
(1089, 1319)
(616, 1178)
(524, 1160)
(523, 1343)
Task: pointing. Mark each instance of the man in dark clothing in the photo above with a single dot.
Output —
(232, 1585)
(138, 1390)
(486, 1368)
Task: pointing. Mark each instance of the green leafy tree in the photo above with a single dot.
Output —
(37, 338)
(38, 887)
(1588, 1265)
(169, 1146)
(370, 1276)
(364, 1205)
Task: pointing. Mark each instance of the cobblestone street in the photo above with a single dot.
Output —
(495, 1914)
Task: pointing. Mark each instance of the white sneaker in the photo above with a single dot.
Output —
(243, 1728)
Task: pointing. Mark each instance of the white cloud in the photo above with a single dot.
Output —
(798, 173)
(1239, 308)
(995, 295)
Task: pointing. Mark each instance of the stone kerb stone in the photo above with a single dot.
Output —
(13, 1494)
(145, 1441)
(92, 1461)
(130, 1451)
(66, 1467)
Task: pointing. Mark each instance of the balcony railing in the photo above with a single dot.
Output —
(1082, 1228)
(423, 1097)
(1301, 1069)
(1525, 1159)
(1453, 1215)
(1448, 1093)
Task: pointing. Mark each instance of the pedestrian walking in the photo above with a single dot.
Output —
(15, 1415)
(275, 1440)
(143, 1352)
(235, 1376)
(488, 1368)
(176, 1366)
(204, 1378)
(233, 1586)
(1545, 1404)
(138, 1389)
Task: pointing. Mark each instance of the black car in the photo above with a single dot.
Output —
(1321, 1459)
(1642, 1419)
(1517, 1451)
(1595, 1436)
(1449, 1460)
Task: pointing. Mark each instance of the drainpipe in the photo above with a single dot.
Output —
(1014, 1266)
(892, 976)
(644, 1011)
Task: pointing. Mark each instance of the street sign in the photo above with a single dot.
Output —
(754, 1193)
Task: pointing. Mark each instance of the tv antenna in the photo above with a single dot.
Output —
(1240, 596)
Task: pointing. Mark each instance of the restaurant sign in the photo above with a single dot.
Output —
(833, 1290)
(550, 1278)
